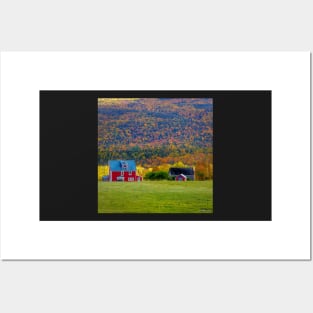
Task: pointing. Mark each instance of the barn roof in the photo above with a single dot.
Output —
(122, 165)
(181, 170)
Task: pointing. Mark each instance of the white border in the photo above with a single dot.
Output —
(287, 74)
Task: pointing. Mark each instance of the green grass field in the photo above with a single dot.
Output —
(155, 197)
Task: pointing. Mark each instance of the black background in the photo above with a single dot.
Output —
(241, 149)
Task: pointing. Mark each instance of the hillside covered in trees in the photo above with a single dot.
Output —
(157, 132)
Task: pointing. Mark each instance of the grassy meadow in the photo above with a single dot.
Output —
(155, 197)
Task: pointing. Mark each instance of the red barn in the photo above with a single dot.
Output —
(181, 177)
(125, 171)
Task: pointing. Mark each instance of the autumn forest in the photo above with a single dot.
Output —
(157, 133)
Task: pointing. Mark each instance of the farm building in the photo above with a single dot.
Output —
(181, 177)
(125, 171)
(189, 172)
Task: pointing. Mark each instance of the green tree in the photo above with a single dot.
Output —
(158, 175)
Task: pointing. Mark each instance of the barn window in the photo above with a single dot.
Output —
(122, 173)
(124, 165)
(130, 172)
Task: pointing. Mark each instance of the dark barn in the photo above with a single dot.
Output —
(189, 172)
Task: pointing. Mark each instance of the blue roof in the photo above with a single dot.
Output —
(122, 165)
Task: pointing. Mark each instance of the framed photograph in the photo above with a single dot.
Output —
(164, 147)
(155, 155)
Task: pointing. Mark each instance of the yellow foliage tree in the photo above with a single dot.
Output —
(102, 171)
(163, 167)
(180, 164)
(141, 170)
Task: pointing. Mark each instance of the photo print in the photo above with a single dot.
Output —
(155, 155)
